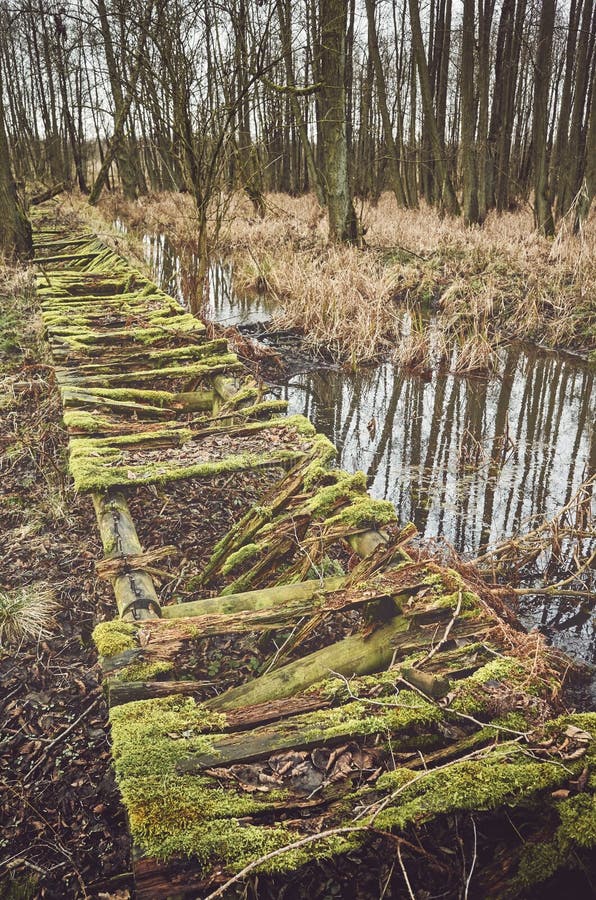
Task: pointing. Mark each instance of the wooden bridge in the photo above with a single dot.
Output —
(317, 689)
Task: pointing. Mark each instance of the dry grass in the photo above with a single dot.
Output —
(26, 614)
(499, 280)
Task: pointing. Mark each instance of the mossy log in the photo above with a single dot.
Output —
(253, 600)
(206, 368)
(135, 592)
(356, 655)
(100, 463)
(135, 361)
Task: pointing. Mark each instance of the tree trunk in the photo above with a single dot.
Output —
(340, 208)
(543, 216)
(15, 229)
(392, 156)
(589, 185)
(126, 165)
(468, 153)
(449, 197)
(284, 16)
(485, 16)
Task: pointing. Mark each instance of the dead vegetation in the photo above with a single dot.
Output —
(63, 830)
(487, 284)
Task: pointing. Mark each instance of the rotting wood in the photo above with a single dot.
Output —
(356, 655)
(135, 592)
(253, 600)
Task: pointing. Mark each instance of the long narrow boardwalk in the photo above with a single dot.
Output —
(324, 691)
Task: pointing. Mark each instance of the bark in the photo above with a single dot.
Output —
(449, 198)
(15, 229)
(340, 207)
(127, 166)
(589, 185)
(135, 593)
(543, 216)
(468, 118)
(355, 655)
(284, 11)
(573, 157)
(117, 149)
(485, 15)
(392, 153)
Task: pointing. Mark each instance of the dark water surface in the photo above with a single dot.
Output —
(470, 461)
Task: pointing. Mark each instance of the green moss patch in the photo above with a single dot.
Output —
(114, 637)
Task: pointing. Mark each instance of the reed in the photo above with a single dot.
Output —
(501, 280)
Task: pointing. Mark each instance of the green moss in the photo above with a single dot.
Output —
(394, 780)
(170, 814)
(150, 736)
(472, 699)
(236, 559)
(445, 581)
(505, 777)
(364, 513)
(578, 821)
(136, 395)
(576, 832)
(143, 671)
(258, 409)
(90, 474)
(469, 601)
(114, 637)
(79, 420)
(410, 714)
(323, 453)
(538, 861)
(202, 369)
(345, 486)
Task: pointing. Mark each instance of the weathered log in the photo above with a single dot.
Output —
(50, 192)
(356, 655)
(253, 600)
(300, 732)
(126, 691)
(135, 592)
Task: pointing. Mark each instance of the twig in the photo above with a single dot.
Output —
(471, 872)
(309, 839)
(450, 625)
(404, 873)
(61, 736)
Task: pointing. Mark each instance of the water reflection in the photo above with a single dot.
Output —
(179, 276)
(468, 460)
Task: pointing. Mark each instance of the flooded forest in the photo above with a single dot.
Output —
(298, 449)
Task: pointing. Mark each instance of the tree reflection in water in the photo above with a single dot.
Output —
(468, 460)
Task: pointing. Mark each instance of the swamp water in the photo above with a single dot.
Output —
(470, 461)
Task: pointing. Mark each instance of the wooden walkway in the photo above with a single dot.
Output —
(419, 698)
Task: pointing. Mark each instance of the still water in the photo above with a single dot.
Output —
(470, 461)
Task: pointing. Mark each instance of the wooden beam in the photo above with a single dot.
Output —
(135, 592)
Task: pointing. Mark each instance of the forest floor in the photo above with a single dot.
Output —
(64, 832)
(488, 285)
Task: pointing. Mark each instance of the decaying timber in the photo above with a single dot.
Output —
(393, 702)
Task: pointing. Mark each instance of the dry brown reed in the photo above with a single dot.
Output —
(501, 279)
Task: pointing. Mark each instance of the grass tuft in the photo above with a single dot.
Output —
(26, 614)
